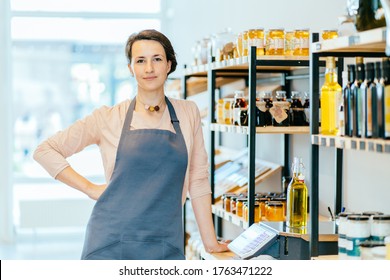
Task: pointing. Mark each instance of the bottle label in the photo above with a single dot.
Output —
(387, 111)
(279, 110)
(342, 244)
(352, 245)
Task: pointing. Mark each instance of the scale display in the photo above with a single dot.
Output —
(253, 241)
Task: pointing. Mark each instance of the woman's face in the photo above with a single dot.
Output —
(149, 64)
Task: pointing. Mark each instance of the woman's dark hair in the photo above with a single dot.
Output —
(151, 34)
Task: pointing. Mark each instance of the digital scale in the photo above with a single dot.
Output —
(260, 239)
(254, 241)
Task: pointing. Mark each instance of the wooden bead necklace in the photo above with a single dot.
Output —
(151, 108)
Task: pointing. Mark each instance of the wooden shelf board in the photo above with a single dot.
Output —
(367, 41)
(352, 143)
(242, 64)
(261, 130)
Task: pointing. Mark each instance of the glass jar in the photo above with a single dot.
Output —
(256, 38)
(245, 211)
(289, 43)
(245, 39)
(233, 204)
(227, 201)
(276, 41)
(239, 105)
(227, 110)
(342, 234)
(280, 110)
(239, 206)
(380, 227)
(263, 104)
(239, 46)
(283, 200)
(306, 107)
(358, 230)
(220, 106)
(301, 42)
(327, 34)
(274, 211)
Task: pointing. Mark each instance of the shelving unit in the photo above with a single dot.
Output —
(247, 68)
(370, 43)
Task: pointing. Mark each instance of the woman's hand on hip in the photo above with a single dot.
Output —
(95, 191)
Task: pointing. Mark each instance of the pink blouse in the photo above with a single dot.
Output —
(103, 128)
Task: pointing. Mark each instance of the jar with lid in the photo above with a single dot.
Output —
(387, 243)
(233, 204)
(327, 34)
(256, 39)
(227, 110)
(240, 104)
(289, 43)
(380, 227)
(368, 249)
(263, 104)
(274, 211)
(298, 117)
(220, 106)
(245, 211)
(239, 46)
(239, 206)
(301, 42)
(276, 41)
(280, 110)
(358, 230)
(341, 221)
(283, 200)
(245, 41)
(262, 203)
(227, 201)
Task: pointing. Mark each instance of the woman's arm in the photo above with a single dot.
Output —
(202, 210)
(73, 179)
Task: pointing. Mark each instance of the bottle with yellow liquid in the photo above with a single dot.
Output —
(330, 99)
(296, 214)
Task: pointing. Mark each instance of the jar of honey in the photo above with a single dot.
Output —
(256, 38)
(289, 43)
(245, 39)
(239, 206)
(227, 201)
(274, 211)
(301, 42)
(327, 34)
(276, 41)
(239, 45)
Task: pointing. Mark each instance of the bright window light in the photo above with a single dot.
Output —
(109, 31)
(122, 6)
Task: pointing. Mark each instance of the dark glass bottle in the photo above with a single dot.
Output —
(375, 91)
(347, 96)
(306, 108)
(366, 88)
(385, 104)
(298, 115)
(357, 98)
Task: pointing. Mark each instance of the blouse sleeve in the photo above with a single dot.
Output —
(199, 184)
(52, 153)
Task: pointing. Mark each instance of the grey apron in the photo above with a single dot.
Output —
(139, 215)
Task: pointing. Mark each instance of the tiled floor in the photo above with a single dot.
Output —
(64, 244)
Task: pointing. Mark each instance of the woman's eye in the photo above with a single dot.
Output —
(140, 61)
(158, 59)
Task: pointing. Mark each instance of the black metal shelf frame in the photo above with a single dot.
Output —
(314, 130)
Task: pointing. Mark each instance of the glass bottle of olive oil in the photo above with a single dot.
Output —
(296, 215)
(330, 99)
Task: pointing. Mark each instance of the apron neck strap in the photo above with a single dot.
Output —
(172, 113)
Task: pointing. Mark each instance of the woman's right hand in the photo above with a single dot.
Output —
(95, 191)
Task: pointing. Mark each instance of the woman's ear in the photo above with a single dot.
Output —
(131, 70)
(169, 66)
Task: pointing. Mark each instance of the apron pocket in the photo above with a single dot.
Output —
(109, 252)
(134, 248)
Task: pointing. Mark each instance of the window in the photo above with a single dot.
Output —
(68, 59)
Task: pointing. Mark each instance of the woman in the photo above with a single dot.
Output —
(153, 155)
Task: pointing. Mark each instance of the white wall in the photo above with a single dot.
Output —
(6, 228)
(366, 183)
(188, 21)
